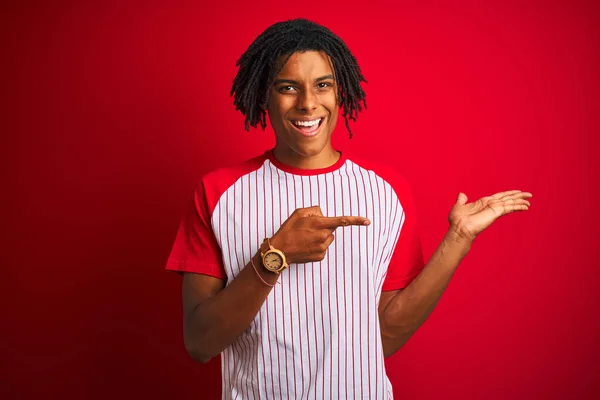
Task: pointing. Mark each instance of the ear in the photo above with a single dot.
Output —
(262, 101)
(265, 103)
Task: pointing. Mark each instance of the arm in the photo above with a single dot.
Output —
(214, 315)
(402, 312)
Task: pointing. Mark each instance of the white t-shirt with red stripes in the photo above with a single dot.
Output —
(317, 335)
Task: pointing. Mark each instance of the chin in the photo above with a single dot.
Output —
(309, 150)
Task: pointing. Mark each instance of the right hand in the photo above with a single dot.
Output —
(306, 235)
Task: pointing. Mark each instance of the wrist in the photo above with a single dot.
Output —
(278, 244)
(457, 241)
(269, 276)
(275, 242)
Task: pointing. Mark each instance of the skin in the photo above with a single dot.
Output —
(216, 315)
(304, 88)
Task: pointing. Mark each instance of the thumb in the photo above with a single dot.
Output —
(462, 199)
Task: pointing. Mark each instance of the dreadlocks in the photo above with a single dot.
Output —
(259, 67)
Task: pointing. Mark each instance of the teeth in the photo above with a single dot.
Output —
(307, 123)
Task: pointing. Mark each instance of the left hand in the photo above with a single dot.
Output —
(469, 220)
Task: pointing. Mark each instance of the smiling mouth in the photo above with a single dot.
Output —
(308, 127)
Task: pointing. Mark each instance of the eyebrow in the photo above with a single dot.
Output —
(293, 82)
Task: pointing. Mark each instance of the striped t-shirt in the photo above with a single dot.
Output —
(317, 335)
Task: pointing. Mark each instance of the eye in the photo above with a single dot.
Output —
(323, 85)
(286, 89)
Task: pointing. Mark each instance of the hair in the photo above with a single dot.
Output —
(259, 66)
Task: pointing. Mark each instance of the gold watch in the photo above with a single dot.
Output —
(273, 260)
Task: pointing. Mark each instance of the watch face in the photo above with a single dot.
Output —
(273, 261)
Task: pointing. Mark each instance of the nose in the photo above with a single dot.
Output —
(307, 101)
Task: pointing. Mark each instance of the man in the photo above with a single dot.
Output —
(295, 313)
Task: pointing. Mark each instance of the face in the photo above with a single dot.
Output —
(303, 106)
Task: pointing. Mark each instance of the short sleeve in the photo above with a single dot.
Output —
(407, 257)
(195, 248)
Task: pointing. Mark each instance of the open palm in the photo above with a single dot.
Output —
(469, 220)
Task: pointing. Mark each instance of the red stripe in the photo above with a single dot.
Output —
(377, 260)
(237, 368)
(275, 300)
(246, 339)
(351, 293)
(344, 285)
(313, 267)
(242, 340)
(254, 337)
(306, 304)
(386, 234)
(370, 286)
(290, 289)
(262, 350)
(321, 298)
(389, 253)
(396, 232)
(331, 281)
(337, 282)
(281, 278)
(234, 347)
(231, 269)
(361, 268)
(267, 305)
(298, 304)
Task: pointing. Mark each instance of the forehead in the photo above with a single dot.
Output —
(307, 64)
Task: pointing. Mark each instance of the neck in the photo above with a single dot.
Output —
(324, 159)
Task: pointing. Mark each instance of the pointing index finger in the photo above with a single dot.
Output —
(336, 222)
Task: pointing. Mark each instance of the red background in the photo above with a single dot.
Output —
(116, 108)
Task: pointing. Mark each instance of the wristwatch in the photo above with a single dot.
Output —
(273, 260)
